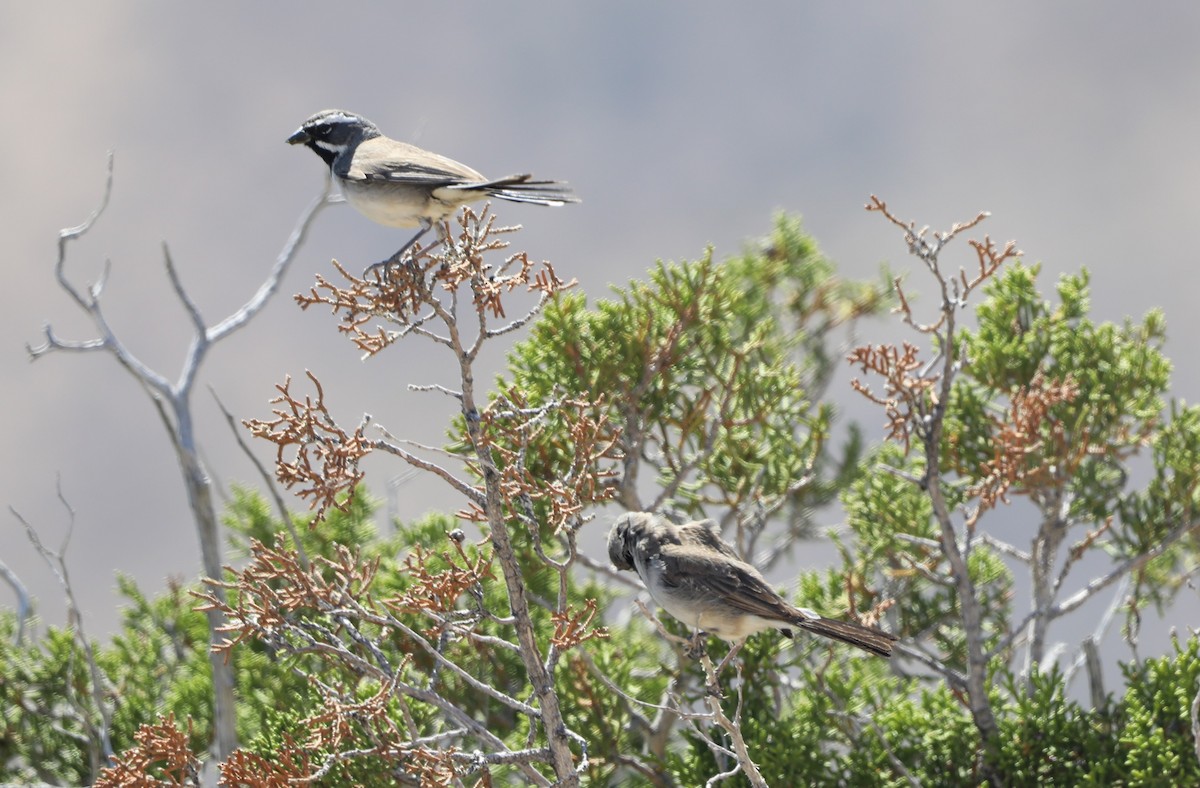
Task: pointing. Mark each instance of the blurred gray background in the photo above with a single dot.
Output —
(680, 125)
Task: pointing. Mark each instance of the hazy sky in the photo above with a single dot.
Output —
(680, 125)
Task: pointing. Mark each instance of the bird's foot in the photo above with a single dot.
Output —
(385, 266)
(398, 256)
(695, 649)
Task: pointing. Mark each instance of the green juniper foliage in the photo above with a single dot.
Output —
(712, 374)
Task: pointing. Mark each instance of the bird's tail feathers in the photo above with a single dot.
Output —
(876, 641)
(519, 188)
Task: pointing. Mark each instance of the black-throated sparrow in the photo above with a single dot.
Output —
(699, 579)
(400, 185)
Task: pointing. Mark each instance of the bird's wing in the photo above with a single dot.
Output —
(723, 578)
(705, 533)
(380, 159)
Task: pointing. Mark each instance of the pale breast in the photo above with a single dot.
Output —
(402, 205)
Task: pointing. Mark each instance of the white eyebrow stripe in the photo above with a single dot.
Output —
(340, 117)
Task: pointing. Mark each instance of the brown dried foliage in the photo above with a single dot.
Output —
(325, 457)
(439, 591)
(321, 459)
(432, 767)
(909, 392)
(905, 392)
(160, 757)
(858, 587)
(288, 766)
(1023, 434)
(571, 629)
(281, 603)
(409, 293)
(275, 585)
(341, 722)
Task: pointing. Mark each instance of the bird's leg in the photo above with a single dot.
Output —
(395, 258)
(695, 649)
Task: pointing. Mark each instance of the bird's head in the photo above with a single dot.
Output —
(331, 132)
(624, 536)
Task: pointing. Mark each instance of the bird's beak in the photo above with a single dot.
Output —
(301, 136)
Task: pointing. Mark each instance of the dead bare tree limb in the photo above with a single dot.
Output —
(173, 401)
(99, 732)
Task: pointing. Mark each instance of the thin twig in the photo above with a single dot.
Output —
(56, 560)
(24, 605)
(285, 516)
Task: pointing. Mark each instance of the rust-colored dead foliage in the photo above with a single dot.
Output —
(904, 388)
(275, 585)
(438, 591)
(571, 629)
(287, 766)
(160, 757)
(313, 453)
(1019, 441)
(426, 284)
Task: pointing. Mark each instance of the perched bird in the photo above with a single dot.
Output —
(699, 579)
(400, 185)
